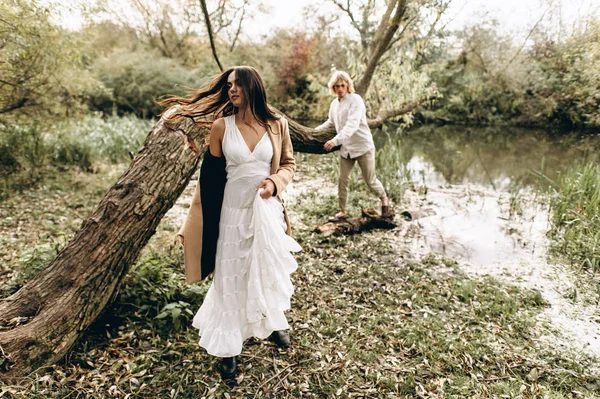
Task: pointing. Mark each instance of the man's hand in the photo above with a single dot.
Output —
(329, 145)
(269, 188)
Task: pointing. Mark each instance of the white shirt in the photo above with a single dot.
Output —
(349, 116)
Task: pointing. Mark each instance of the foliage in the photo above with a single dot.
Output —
(396, 74)
(570, 91)
(22, 148)
(576, 216)
(42, 69)
(104, 37)
(478, 86)
(396, 83)
(492, 81)
(113, 139)
(296, 69)
(28, 150)
(135, 81)
(155, 292)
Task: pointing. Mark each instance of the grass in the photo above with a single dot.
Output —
(30, 153)
(37, 223)
(576, 216)
(365, 322)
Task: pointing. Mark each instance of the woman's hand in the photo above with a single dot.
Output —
(268, 188)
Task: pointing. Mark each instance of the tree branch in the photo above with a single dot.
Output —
(351, 16)
(384, 21)
(388, 114)
(525, 41)
(210, 33)
(363, 85)
(239, 28)
(19, 104)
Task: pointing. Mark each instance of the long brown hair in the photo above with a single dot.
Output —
(212, 100)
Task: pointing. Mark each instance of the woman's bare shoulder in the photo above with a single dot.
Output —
(218, 126)
(219, 122)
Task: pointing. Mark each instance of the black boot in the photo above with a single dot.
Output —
(281, 338)
(228, 368)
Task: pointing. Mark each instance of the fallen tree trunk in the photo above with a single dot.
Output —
(42, 321)
(368, 220)
(305, 139)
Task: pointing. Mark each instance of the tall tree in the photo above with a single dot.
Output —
(210, 33)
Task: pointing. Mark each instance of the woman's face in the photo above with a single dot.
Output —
(236, 94)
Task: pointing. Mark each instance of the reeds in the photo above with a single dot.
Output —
(576, 216)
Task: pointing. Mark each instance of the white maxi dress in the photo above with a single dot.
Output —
(251, 288)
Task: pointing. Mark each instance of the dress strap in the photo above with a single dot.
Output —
(229, 121)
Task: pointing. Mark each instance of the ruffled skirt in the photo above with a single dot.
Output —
(251, 287)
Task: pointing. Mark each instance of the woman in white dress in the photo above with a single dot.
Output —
(251, 288)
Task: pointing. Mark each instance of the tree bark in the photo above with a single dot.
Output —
(305, 139)
(385, 34)
(41, 322)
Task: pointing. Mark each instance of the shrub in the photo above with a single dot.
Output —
(135, 80)
(112, 139)
(27, 150)
(155, 289)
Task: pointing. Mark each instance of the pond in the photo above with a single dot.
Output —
(496, 158)
(483, 187)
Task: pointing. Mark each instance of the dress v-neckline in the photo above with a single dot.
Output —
(244, 140)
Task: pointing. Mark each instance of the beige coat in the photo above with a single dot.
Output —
(283, 166)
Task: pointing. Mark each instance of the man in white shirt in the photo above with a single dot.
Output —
(349, 116)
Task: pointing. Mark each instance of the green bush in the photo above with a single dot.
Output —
(79, 142)
(492, 81)
(155, 289)
(26, 151)
(42, 68)
(23, 150)
(25, 143)
(570, 90)
(135, 80)
(113, 139)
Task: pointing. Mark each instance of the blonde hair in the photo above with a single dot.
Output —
(341, 76)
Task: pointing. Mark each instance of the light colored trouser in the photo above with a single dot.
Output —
(366, 162)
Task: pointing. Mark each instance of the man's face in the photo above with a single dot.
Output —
(341, 88)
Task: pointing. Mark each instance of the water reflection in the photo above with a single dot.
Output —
(498, 158)
(480, 185)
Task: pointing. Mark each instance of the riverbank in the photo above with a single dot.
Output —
(371, 316)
